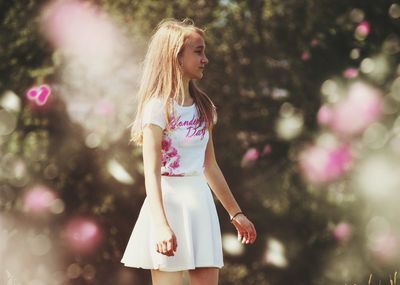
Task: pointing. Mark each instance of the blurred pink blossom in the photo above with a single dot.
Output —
(360, 108)
(385, 246)
(78, 27)
(338, 159)
(249, 157)
(342, 232)
(38, 199)
(321, 164)
(267, 149)
(363, 29)
(350, 72)
(324, 115)
(39, 94)
(105, 107)
(314, 42)
(305, 56)
(353, 114)
(82, 234)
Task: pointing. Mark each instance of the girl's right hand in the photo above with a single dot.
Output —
(166, 240)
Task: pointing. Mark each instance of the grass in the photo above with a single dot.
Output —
(392, 281)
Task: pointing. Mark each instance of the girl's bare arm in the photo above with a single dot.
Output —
(245, 228)
(152, 136)
(217, 181)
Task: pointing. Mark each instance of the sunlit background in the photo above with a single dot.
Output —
(308, 137)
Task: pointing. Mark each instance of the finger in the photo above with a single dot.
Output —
(249, 233)
(170, 248)
(241, 232)
(244, 236)
(240, 235)
(249, 236)
(173, 246)
(164, 247)
(252, 237)
(254, 230)
(254, 233)
(169, 245)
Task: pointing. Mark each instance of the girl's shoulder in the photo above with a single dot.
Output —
(153, 104)
(153, 112)
(154, 100)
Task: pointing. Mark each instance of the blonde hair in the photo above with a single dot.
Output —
(162, 76)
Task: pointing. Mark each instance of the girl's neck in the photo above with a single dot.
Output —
(186, 94)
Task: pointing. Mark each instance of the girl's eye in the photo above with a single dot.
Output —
(199, 51)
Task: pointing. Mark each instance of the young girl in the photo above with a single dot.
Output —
(178, 228)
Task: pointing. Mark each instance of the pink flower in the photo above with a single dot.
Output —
(342, 232)
(172, 153)
(357, 111)
(321, 164)
(314, 42)
(353, 114)
(164, 158)
(38, 199)
(350, 72)
(385, 246)
(338, 160)
(324, 115)
(82, 234)
(363, 29)
(305, 56)
(166, 143)
(250, 156)
(174, 164)
(79, 28)
(267, 149)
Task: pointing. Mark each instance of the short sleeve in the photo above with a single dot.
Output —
(153, 113)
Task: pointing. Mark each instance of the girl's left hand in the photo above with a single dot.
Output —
(246, 230)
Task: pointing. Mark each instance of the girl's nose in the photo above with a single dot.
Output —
(205, 60)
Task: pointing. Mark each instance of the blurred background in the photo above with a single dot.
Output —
(308, 99)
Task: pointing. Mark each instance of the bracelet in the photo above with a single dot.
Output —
(236, 215)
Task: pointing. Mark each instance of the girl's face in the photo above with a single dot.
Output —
(193, 57)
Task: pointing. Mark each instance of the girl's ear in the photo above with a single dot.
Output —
(180, 55)
(180, 59)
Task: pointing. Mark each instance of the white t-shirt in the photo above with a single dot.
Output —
(182, 149)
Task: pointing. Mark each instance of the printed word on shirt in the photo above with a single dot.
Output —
(192, 126)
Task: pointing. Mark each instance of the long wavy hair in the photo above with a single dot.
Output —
(162, 76)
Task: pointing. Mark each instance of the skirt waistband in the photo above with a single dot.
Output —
(185, 177)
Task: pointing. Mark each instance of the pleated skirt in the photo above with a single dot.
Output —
(191, 213)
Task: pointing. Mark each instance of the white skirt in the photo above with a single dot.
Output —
(192, 215)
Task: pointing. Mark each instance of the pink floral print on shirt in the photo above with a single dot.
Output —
(169, 158)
